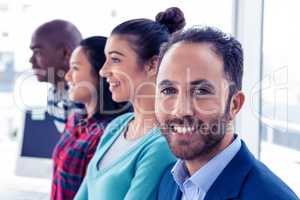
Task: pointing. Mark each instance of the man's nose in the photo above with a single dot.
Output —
(31, 59)
(183, 106)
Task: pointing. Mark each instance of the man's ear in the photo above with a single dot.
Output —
(65, 54)
(152, 67)
(237, 102)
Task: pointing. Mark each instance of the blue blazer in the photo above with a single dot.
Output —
(243, 178)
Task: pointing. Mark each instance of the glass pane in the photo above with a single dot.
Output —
(280, 139)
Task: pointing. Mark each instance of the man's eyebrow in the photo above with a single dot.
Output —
(35, 47)
(74, 62)
(116, 52)
(201, 82)
(165, 83)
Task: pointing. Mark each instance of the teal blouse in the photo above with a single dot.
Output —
(135, 175)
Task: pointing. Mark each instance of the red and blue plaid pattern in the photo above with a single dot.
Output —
(73, 152)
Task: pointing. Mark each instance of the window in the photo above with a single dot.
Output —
(280, 137)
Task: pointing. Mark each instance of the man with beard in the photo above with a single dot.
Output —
(198, 96)
(52, 44)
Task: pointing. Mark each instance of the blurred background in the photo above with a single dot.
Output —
(268, 30)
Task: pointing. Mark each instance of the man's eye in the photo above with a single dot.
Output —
(74, 68)
(115, 60)
(37, 52)
(200, 91)
(168, 91)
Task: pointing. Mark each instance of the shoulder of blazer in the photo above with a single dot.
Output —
(168, 188)
(230, 181)
(246, 177)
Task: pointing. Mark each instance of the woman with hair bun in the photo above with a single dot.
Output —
(132, 154)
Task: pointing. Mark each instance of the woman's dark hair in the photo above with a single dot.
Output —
(93, 48)
(146, 36)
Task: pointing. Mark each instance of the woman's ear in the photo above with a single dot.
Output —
(152, 67)
(237, 101)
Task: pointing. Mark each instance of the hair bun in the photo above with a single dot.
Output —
(172, 18)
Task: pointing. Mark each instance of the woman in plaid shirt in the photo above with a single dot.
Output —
(83, 132)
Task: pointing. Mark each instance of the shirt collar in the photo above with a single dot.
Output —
(90, 125)
(206, 175)
(180, 173)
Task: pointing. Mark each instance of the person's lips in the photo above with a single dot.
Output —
(187, 126)
(113, 84)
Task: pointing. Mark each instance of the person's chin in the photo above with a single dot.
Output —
(183, 152)
(118, 98)
(187, 151)
(77, 97)
(71, 94)
(73, 97)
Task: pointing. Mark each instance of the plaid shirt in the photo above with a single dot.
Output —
(73, 153)
(60, 107)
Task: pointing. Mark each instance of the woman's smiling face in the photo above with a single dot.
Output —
(122, 68)
(83, 83)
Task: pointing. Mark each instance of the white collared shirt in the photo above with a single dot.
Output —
(196, 186)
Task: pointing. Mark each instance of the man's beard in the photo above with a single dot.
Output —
(205, 138)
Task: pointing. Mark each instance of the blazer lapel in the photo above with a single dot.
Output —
(229, 182)
(177, 194)
(168, 189)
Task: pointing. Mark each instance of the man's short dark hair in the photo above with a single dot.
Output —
(224, 45)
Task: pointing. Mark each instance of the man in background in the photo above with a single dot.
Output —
(52, 44)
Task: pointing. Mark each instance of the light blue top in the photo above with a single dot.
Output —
(134, 175)
(196, 186)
